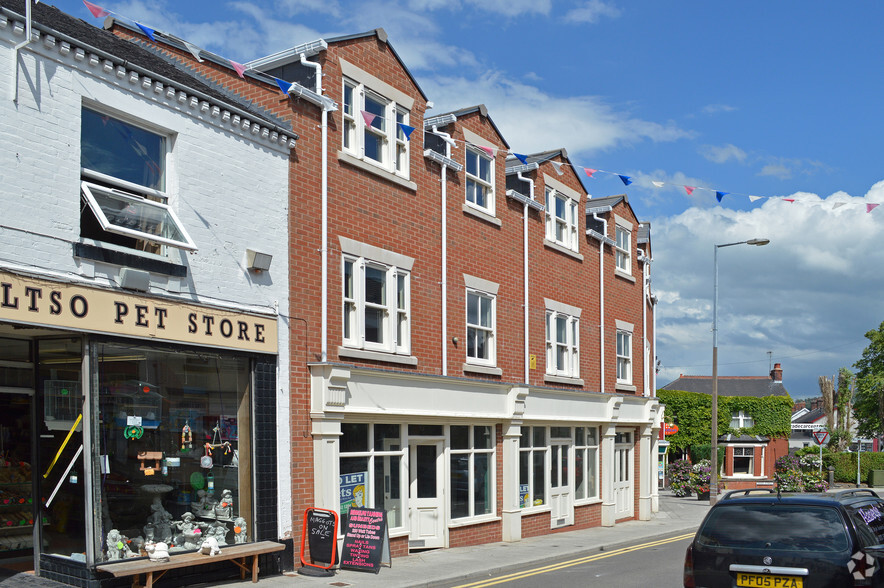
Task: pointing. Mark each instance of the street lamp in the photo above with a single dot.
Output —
(713, 478)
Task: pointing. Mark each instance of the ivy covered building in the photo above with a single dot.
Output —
(753, 422)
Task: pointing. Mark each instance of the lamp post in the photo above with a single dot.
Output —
(713, 478)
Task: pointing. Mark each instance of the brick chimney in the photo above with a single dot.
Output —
(776, 374)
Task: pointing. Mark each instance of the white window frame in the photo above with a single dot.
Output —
(589, 449)
(394, 152)
(570, 346)
(477, 181)
(532, 450)
(561, 230)
(742, 420)
(623, 245)
(396, 315)
(471, 452)
(491, 330)
(751, 472)
(624, 356)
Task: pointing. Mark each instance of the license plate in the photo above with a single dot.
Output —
(768, 581)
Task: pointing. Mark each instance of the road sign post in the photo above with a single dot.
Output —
(821, 437)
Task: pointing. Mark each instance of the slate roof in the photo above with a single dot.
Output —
(811, 417)
(513, 161)
(53, 21)
(596, 203)
(481, 109)
(757, 386)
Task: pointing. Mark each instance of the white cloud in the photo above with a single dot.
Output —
(717, 108)
(808, 296)
(723, 153)
(592, 12)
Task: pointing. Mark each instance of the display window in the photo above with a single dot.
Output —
(371, 470)
(173, 436)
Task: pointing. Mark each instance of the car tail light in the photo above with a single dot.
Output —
(689, 568)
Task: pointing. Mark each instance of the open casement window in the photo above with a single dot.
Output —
(376, 306)
(123, 199)
(371, 128)
(561, 219)
(562, 345)
(131, 215)
(480, 180)
(480, 328)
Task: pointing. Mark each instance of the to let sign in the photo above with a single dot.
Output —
(365, 540)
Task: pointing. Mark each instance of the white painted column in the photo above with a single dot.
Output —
(647, 474)
(655, 464)
(608, 432)
(511, 509)
(326, 464)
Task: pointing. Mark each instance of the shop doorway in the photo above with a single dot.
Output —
(426, 495)
(560, 495)
(624, 503)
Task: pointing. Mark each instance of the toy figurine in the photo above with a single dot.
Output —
(224, 510)
(190, 533)
(157, 551)
(219, 531)
(240, 530)
(210, 547)
(117, 547)
(186, 437)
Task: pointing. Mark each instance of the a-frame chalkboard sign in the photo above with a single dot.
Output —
(366, 540)
(320, 533)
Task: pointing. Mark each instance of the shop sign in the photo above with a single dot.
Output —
(353, 491)
(670, 429)
(366, 541)
(54, 304)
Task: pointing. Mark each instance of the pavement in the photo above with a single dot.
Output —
(428, 569)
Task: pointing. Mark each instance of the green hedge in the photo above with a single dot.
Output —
(845, 465)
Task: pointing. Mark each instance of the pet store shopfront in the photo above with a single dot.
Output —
(129, 421)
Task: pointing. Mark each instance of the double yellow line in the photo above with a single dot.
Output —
(574, 562)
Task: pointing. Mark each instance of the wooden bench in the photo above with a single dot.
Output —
(154, 570)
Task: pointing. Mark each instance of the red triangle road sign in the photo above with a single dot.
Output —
(820, 436)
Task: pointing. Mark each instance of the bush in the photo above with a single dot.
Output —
(700, 476)
(845, 465)
(680, 477)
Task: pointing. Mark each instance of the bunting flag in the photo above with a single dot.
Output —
(487, 150)
(838, 205)
(239, 68)
(626, 180)
(789, 199)
(97, 11)
(407, 130)
(657, 184)
(194, 50)
(522, 158)
(147, 31)
(871, 207)
(720, 195)
(754, 198)
(368, 117)
(558, 167)
(283, 86)
(689, 189)
(589, 171)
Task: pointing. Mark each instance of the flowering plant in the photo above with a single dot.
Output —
(680, 477)
(701, 474)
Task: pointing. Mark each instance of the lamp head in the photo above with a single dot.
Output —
(758, 242)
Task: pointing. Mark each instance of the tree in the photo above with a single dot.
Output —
(837, 404)
(868, 407)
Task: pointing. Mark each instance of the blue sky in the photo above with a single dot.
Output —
(770, 99)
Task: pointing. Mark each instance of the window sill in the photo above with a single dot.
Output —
(376, 356)
(563, 380)
(468, 521)
(482, 369)
(625, 387)
(622, 274)
(587, 501)
(365, 166)
(481, 215)
(562, 249)
(533, 510)
(144, 261)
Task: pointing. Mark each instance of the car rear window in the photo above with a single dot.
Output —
(775, 526)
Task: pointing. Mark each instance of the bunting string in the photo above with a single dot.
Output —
(490, 150)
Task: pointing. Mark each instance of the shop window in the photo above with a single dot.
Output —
(586, 451)
(472, 471)
(123, 192)
(371, 461)
(16, 367)
(532, 467)
(175, 443)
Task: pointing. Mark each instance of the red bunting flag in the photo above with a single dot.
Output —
(589, 171)
(789, 199)
(871, 207)
(368, 117)
(689, 189)
(240, 69)
(97, 11)
(487, 150)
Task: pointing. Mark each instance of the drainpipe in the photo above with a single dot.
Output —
(324, 249)
(17, 48)
(525, 269)
(444, 268)
(645, 282)
(595, 215)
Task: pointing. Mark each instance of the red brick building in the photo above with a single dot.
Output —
(472, 334)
